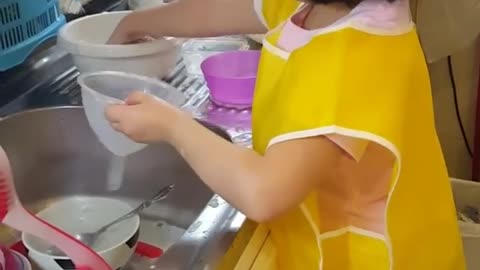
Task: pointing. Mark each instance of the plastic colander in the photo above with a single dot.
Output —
(231, 77)
(24, 25)
(100, 89)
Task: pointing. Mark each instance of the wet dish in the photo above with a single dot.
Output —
(85, 214)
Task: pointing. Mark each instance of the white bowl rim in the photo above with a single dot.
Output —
(76, 47)
(137, 228)
(25, 261)
(81, 81)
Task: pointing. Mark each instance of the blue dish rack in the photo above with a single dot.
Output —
(24, 25)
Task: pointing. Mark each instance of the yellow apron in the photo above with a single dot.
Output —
(366, 86)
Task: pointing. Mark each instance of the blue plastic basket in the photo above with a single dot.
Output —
(25, 24)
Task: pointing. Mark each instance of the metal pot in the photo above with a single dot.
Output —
(55, 154)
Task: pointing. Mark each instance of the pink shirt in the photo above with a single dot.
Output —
(358, 195)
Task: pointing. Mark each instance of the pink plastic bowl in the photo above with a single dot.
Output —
(231, 77)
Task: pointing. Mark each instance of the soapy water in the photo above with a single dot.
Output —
(86, 221)
(115, 173)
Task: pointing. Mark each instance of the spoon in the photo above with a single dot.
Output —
(90, 238)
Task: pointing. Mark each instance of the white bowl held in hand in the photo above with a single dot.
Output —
(86, 214)
(86, 39)
(103, 88)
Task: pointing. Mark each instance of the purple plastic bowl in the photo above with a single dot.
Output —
(231, 77)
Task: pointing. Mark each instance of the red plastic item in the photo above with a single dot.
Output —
(20, 248)
(149, 251)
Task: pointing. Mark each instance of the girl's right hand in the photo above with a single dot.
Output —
(145, 118)
(182, 19)
(127, 31)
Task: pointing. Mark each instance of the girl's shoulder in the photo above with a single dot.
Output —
(274, 12)
(378, 17)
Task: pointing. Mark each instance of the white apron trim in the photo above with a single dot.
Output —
(275, 50)
(351, 229)
(351, 21)
(315, 231)
(355, 134)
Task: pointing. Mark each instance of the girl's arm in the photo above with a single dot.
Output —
(261, 187)
(190, 18)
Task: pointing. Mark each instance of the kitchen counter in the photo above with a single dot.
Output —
(253, 249)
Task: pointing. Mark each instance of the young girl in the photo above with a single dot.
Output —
(346, 170)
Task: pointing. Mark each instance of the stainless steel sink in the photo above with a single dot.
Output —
(54, 154)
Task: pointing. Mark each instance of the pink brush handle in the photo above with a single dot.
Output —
(83, 257)
(2, 259)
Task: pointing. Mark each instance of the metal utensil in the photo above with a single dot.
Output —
(90, 238)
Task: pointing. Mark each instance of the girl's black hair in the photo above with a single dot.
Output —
(350, 3)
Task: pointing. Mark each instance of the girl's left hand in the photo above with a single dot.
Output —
(144, 118)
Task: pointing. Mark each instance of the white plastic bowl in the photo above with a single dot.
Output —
(103, 88)
(86, 214)
(86, 38)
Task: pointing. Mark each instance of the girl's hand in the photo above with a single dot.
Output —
(181, 19)
(144, 118)
(127, 32)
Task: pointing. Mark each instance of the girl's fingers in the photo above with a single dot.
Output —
(116, 126)
(115, 113)
(136, 98)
